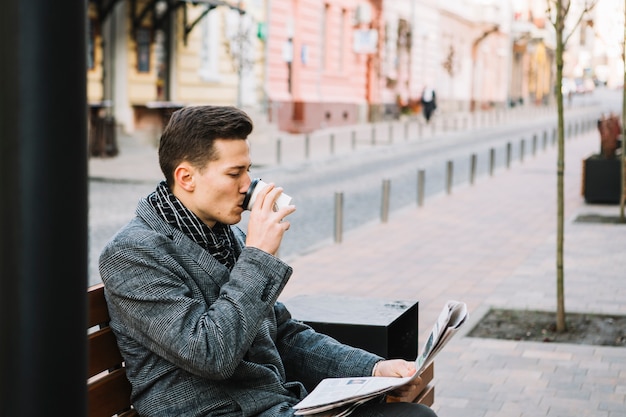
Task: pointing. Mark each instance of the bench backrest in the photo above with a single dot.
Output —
(108, 390)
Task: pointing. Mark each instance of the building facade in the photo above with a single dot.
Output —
(308, 64)
(321, 57)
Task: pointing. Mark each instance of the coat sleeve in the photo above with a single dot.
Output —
(310, 356)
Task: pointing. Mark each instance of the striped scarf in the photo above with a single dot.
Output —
(219, 241)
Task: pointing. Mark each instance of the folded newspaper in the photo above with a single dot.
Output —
(338, 397)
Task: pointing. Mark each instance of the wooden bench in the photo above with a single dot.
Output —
(108, 390)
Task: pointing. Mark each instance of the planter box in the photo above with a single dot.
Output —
(601, 179)
(387, 328)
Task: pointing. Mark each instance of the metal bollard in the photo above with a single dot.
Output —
(307, 146)
(353, 139)
(534, 144)
(332, 143)
(390, 139)
(569, 131)
(492, 161)
(278, 151)
(449, 173)
(384, 208)
(472, 168)
(338, 216)
(508, 155)
(421, 181)
(522, 145)
(373, 135)
(545, 140)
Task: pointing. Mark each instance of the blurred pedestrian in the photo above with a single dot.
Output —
(429, 102)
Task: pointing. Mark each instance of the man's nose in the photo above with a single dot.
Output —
(247, 180)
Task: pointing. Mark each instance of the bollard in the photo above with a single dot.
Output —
(353, 139)
(472, 168)
(534, 144)
(406, 130)
(449, 172)
(492, 161)
(553, 136)
(569, 131)
(522, 145)
(508, 155)
(278, 153)
(373, 135)
(545, 140)
(338, 216)
(332, 143)
(384, 208)
(421, 180)
(390, 139)
(307, 146)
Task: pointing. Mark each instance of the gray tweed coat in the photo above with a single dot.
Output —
(200, 341)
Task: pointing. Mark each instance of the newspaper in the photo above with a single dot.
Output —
(338, 397)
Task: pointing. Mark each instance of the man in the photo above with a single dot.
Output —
(193, 300)
(429, 102)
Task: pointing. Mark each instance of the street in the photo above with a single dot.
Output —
(359, 175)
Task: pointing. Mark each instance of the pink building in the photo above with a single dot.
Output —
(322, 62)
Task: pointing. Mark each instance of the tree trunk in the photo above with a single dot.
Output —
(560, 297)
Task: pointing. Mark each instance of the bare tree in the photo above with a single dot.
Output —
(558, 11)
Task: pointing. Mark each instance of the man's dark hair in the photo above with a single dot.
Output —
(191, 131)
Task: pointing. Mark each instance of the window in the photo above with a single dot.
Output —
(209, 47)
(91, 44)
(143, 49)
(324, 35)
(342, 39)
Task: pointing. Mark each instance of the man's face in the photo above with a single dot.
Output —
(219, 189)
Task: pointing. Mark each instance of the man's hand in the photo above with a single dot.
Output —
(400, 368)
(266, 227)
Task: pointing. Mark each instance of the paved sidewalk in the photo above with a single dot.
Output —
(494, 244)
(489, 244)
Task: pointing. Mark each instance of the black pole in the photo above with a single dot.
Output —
(43, 213)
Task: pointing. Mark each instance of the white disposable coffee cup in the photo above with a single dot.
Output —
(257, 185)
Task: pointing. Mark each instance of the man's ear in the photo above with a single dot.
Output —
(184, 176)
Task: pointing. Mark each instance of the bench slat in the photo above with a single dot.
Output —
(109, 395)
(98, 311)
(427, 396)
(108, 389)
(103, 352)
